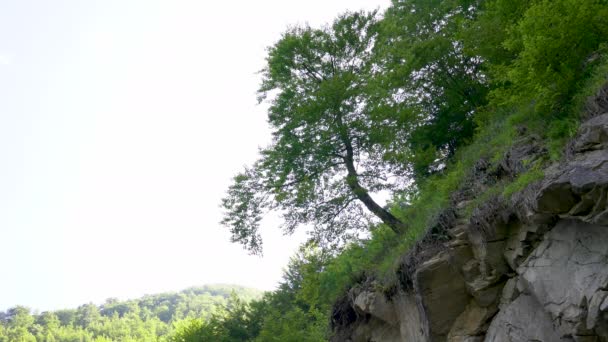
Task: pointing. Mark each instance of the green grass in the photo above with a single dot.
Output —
(522, 181)
(379, 257)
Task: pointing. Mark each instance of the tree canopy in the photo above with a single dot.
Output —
(159, 317)
(427, 91)
(440, 91)
(323, 163)
(425, 84)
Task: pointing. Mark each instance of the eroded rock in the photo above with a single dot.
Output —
(522, 320)
(472, 324)
(534, 268)
(412, 322)
(578, 188)
(376, 304)
(593, 135)
(443, 294)
(568, 273)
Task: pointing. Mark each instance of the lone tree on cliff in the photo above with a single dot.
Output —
(325, 159)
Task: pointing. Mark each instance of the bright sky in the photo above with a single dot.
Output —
(121, 125)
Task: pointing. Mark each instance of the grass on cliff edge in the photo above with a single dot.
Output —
(379, 256)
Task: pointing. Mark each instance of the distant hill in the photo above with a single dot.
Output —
(149, 318)
(191, 302)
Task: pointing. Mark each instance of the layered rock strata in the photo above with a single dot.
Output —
(532, 269)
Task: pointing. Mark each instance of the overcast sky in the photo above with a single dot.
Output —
(121, 125)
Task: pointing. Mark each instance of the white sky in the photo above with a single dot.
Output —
(121, 125)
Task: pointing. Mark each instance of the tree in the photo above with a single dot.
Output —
(425, 83)
(555, 43)
(49, 323)
(18, 322)
(235, 322)
(192, 330)
(66, 317)
(87, 315)
(324, 160)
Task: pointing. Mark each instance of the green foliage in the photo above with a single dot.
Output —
(190, 330)
(499, 121)
(552, 42)
(548, 51)
(449, 82)
(291, 313)
(235, 322)
(296, 325)
(484, 36)
(297, 311)
(151, 318)
(522, 181)
(424, 92)
(425, 83)
(323, 161)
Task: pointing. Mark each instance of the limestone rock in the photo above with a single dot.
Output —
(567, 273)
(532, 269)
(510, 292)
(521, 243)
(577, 189)
(412, 323)
(491, 225)
(373, 331)
(376, 304)
(522, 320)
(443, 294)
(472, 323)
(593, 135)
(485, 291)
(518, 158)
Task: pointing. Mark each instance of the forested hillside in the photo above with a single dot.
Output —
(419, 101)
(150, 318)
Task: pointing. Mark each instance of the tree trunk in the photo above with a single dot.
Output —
(352, 179)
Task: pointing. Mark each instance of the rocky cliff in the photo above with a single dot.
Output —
(532, 268)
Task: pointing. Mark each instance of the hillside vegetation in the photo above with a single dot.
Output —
(409, 101)
(150, 318)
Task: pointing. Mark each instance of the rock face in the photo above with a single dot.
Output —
(535, 269)
(522, 320)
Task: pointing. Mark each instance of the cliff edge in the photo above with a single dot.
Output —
(531, 268)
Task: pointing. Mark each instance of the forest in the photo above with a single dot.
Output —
(159, 317)
(405, 102)
(411, 102)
